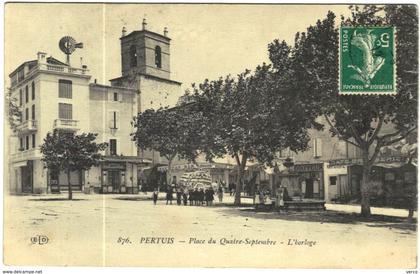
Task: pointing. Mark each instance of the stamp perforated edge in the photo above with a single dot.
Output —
(364, 92)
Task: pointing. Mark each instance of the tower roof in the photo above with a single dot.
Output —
(147, 33)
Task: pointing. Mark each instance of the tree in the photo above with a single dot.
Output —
(172, 132)
(249, 118)
(66, 151)
(14, 112)
(362, 121)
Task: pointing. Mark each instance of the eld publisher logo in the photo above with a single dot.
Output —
(39, 239)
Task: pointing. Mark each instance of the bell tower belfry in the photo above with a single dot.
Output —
(145, 52)
(145, 66)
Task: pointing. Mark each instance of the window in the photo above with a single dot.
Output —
(20, 97)
(26, 114)
(21, 143)
(113, 119)
(113, 146)
(26, 94)
(65, 89)
(33, 140)
(65, 111)
(410, 177)
(333, 180)
(317, 146)
(115, 96)
(33, 112)
(158, 57)
(27, 142)
(133, 56)
(33, 90)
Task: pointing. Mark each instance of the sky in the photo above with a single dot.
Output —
(208, 40)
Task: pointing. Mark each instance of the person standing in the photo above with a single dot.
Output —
(210, 196)
(185, 196)
(155, 196)
(220, 194)
(169, 196)
(201, 196)
(207, 196)
(195, 196)
(191, 196)
(178, 196)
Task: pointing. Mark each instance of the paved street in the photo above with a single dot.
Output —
(116, 229)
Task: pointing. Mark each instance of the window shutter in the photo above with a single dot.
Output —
(65, 89)
(314, 147)
(318, 147)
(33, 91)
(120, 97)
(117, 119)
(65, 111)
(111, 119)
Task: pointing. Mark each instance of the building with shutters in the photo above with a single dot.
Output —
(331, 170)
(55, 95)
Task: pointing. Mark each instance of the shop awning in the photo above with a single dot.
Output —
(127, 159)
(20, 164)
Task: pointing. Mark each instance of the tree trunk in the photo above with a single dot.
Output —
(168, 174)
(69, 185)
(410, 215)
(365, 202)
(239, 183)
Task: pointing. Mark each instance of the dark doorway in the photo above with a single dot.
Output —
(114, 179)
(309, 189)
(27, 179)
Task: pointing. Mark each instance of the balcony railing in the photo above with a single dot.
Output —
(23, 155)
(66, 124)
(48, 67)
(28, 125)
(64, 69)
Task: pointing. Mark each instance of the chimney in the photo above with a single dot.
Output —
(165, 32)
(144, 24)
(42, 57)
(124, 31)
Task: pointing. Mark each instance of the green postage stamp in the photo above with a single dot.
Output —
(367, 60)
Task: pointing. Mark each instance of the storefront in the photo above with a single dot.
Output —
(118, 174)
(391, 184)
(392, 181)
(303, 180)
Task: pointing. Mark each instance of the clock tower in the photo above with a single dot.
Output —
(146, 52)
(145, 65)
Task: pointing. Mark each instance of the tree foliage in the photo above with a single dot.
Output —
(66, 151)
(14, 113)
(250, 118)
(174, 132)
(311, 66)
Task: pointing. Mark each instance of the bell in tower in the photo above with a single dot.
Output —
(146, 52)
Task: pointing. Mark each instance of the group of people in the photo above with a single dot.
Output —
(196, 196)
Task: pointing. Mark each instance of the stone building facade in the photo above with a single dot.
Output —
(55, 95)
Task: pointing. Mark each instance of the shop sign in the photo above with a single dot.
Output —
(359, 161)
(307, 167)
(113, 166)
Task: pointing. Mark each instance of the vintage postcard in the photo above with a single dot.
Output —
(210, 135)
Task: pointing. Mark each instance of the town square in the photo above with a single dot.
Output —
(211, 135)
